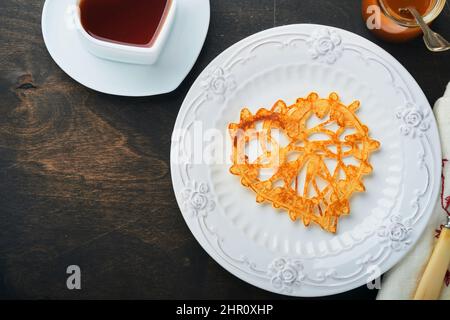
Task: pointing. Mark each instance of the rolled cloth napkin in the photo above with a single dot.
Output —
(402, 280)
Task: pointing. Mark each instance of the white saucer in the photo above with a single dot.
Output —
(177, 58)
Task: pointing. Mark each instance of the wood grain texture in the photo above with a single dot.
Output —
(85, 179)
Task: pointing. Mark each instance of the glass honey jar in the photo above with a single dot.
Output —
(385, 19)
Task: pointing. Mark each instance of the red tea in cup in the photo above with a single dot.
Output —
(129, 22)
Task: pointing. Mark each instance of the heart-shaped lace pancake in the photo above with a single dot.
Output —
(318, 167)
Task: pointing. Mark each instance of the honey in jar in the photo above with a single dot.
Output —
(387, 21)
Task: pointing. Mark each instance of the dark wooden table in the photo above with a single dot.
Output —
(84, 176)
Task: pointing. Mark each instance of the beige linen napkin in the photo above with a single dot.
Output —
(401, 281)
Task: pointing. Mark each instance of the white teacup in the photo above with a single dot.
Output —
(127, 53)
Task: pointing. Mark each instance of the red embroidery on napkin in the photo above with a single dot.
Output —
(445, 201)
(447, 279)
(438, 231)
(445, 204)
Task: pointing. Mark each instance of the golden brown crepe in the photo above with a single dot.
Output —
(325, 194)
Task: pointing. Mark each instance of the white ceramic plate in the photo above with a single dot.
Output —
(266, 248)
(177, 57)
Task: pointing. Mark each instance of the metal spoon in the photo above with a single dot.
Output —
(434, 41)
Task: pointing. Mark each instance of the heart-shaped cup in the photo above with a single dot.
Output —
(123, 42)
